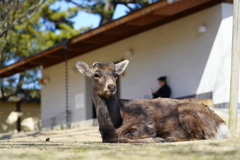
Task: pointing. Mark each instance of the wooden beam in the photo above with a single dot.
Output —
(228, 1)
(145, 20)
(234, 84)
(100, 38)
(22, 68)
(7, 74)
(73, 49)
(36, 63)
(20, 63)
(54, 57)
(122, 29)
(179, 6)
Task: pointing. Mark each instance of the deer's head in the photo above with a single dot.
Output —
(103, 76)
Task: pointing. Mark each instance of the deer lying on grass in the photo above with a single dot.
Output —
(146, 121)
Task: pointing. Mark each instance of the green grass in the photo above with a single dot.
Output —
(197, 150)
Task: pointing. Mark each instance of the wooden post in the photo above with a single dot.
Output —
(18, 109)
(233, 105)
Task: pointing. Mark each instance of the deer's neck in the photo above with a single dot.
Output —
(105, 115)
(114, 108)
(108, 110)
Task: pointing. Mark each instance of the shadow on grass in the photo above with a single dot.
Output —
(5, 137)
(9, 136)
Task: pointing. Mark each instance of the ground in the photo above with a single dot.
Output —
(85, 144)
(228, 148)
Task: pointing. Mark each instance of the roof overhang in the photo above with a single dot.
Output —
(144, 19)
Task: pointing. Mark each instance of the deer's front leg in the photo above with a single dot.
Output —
(178, 139)
(143, 140)
(137, 133)
(155, 140)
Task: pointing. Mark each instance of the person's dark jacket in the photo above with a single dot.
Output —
(163, 92)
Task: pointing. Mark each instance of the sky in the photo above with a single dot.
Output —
(84, 19)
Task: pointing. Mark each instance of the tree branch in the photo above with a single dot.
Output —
(27, 14)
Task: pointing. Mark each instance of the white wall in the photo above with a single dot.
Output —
(216, 76)
(176, 50)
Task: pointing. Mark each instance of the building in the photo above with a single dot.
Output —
(188, 41)
(19, 113)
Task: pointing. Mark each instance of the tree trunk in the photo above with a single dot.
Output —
(109, 6)
(20, 82)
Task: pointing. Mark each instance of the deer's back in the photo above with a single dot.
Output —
(165, 117)
(144, 118)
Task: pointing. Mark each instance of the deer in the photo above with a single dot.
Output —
(146, 121)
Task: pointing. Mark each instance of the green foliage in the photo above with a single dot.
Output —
(44, 29)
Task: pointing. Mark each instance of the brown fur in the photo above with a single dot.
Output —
(146, 121)
(166, 118)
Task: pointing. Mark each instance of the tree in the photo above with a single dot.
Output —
(16, 12)
(105, 9)
(43, 29)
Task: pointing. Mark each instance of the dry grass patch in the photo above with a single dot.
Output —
(210, 150)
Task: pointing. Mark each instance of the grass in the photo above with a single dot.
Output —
(198, 150)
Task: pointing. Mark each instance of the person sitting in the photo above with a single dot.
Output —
(164, 91)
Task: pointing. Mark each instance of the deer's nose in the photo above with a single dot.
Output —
(112, 87)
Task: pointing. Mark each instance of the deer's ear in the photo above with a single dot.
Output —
(83, 68)
(121, 66)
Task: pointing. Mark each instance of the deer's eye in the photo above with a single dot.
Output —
(96, 75)
(116, 76)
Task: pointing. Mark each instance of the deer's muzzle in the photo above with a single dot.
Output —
(111, 87)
